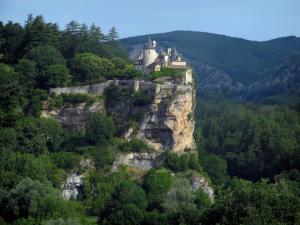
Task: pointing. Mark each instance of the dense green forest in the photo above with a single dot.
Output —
(251, 153)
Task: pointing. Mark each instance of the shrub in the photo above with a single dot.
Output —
(91, 68)
(100, 129)
(157, 183)
(135, 145)
(66, 160)
(141, 98)
(181, 163)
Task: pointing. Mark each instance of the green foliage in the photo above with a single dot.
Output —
(32, 198)
(157, 183)
(175, 74)
(103, 156)
(45, 56)
(57, 75)
(216, 167)
(129, 201)
(16, 165)
(38, 32)
(181, 163)
(134, 145)
(114, 94)
(255, 141)
(77, 98)
(112, 35)
(11, 39)
(128, 192)
(10, 88)
(100, 129)
(38, 135)
(8, 139)
(66, 160)
(27, 69)
(129, 214)
(119, 63)
(91, 68)
(141, 98)
(36, 154)
(243, 60)
(155, 218)
(98, 189)
(67, 100)
(180, 197)
(258, 203)
(130, 73)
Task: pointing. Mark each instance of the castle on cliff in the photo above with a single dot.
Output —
(150, 60)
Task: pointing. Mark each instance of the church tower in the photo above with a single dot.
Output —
(149, 53)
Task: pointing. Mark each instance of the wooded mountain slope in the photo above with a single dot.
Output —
(221, 62)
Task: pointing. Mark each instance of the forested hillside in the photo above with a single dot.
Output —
(248, 153)
(228, 64)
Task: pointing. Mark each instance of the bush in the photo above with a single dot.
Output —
(167, 72)
(100, 129)
(135, 145)
(76, 98)
(35, 199)
(104, 157)
(115, 94)
(38, 135)
(57, 75)
(91, 68)
(157, 183)
(181, 163)
(141, 98)
(66, 160)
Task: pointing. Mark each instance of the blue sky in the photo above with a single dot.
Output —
(249, 19)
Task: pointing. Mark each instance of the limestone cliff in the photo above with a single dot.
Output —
(73, 117)
(167, 122)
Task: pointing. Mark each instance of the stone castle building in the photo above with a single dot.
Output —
(150, 60)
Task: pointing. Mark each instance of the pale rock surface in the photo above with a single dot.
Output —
(144, 161)
(71, 187)
(200, 182)
(74, 117)
(169, 124)
(169, 121)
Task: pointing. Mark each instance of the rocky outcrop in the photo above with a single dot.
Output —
(72, 187)
(199, 182)
(144, 161)
(169, 124)
(74, 117)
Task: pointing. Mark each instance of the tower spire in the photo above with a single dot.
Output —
(150, 43)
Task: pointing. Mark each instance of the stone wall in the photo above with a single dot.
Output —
(98, 89)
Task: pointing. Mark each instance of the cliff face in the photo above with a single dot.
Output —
(167, 122)
(74, 117)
